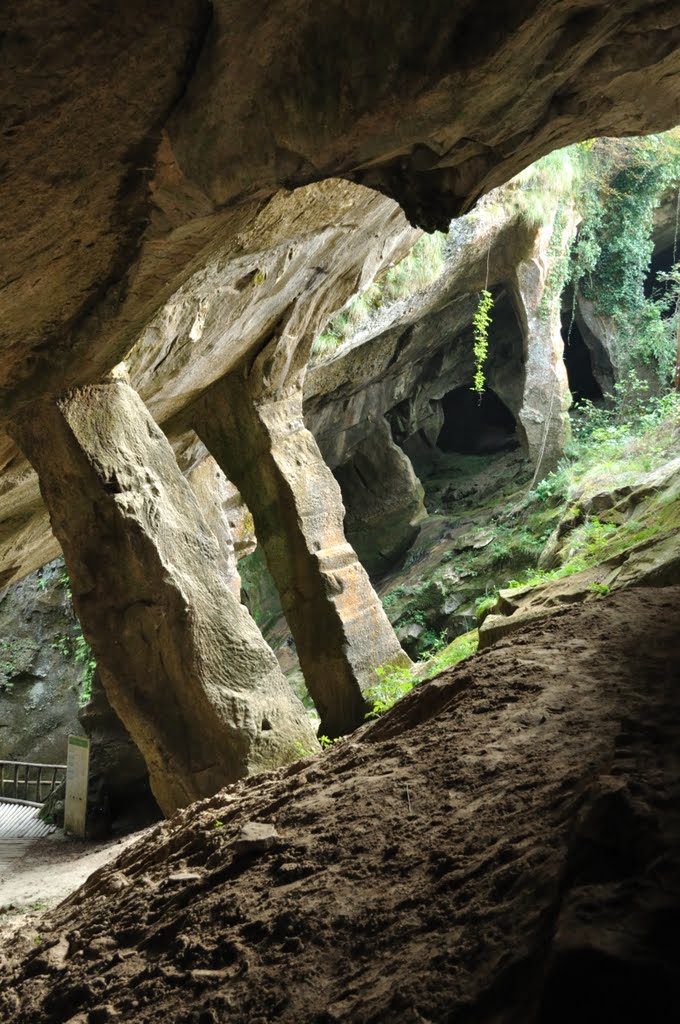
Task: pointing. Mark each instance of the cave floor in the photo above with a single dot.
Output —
(503, 845)
(38, 873)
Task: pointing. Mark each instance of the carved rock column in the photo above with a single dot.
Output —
(340, 628)
(543, 417)
(183, 663)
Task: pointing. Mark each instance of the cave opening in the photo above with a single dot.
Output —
(474, 424)
(661, 262)
(579, 366)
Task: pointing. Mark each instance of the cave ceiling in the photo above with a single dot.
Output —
(148, 145)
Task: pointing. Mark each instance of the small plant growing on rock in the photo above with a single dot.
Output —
(326, 742)
(395, 681)
(485, 605)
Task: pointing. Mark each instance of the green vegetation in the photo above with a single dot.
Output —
(325, 742)
(537, 190)
(395, 681)
(75, 647)
(612, 256)
(617, 184)
(612, 448)
(485, 605)
(614, 187)
(417, 270)
(480, 327)
(458, 650)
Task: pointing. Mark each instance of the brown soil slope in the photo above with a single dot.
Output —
(504, 846)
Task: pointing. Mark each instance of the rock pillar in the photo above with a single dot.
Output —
(213, 491)
(543, 421)
(183, 664)
(340, 628)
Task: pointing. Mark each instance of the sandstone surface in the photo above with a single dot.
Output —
(146, 152)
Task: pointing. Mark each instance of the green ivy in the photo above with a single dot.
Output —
(480, 325)
(611, 258)
(74, 646)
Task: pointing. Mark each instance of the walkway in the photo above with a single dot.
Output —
(20, 821)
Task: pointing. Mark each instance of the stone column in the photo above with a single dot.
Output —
(543, 420)
(340, 628)
(183, 663)
(213, 491)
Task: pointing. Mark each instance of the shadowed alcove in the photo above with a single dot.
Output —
(474, 424)
(579, 366)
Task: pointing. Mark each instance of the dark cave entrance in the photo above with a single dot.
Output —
(661, 262)
(579, 365)
(474, 425)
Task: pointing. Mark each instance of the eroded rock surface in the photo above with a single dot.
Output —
(147, 152)
(341, 631)
(647, 554)
(183, 664)
(40, 680)
(503, 846)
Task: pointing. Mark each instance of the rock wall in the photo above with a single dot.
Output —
(393, 386)
(40, 681)
(151, 157)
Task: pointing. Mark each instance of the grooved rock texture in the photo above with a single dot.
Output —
(383, 499)
(502, 846)
(183, 664)
(546, 398)
(287, 264)
(143, 146)
(341, 631)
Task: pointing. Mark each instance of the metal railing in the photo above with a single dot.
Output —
(24, 783)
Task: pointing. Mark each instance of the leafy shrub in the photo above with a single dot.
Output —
(394, 682)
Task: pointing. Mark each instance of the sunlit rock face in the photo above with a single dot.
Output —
(299, 258)
(145, 153)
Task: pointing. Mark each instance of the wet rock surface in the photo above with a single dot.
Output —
(503, 846)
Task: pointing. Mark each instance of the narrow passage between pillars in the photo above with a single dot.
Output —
(340, 628)
(183, 663)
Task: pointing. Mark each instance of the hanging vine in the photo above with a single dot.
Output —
(480, 324)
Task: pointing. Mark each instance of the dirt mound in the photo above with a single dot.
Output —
(503, 847)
